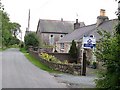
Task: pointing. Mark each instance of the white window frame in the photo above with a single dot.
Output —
(51, 39)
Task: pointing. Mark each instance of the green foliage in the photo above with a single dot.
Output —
(49, 58)
(15, 29)
(14, 41)
(21, 45)
(107, 52)
(7, 28)
(73, 50)
(31, 40)
(94, 65)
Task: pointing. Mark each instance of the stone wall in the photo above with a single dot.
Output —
(62, 56)
(66, 68)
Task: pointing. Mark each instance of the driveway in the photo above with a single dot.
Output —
(78, 81)
(18, 72)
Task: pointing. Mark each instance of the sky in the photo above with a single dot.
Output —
(85, 10)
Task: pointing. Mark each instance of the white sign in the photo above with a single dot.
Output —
(89, 42)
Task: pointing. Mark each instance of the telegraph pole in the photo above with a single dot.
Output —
(29, 20)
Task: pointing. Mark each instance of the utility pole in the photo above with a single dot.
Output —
(29, 20)
(28, 27)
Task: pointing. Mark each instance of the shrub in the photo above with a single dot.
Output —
(31, 40)
(51, 58)
(108, 51)
(94, 65)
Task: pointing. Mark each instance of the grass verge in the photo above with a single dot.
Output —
(4, 48)
(36, 62)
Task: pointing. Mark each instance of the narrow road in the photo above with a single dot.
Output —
(18, 72)
(0, 70)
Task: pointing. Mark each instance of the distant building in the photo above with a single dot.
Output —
(50, 31)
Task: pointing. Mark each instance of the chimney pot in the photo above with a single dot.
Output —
(102, 12)
(61, 19)
(102, 18)
(76, 20)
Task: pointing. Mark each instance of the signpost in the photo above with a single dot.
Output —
(88, 43)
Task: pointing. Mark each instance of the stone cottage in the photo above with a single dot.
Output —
(50, 31)
(103, 23)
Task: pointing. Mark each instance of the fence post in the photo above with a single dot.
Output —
(84, 64)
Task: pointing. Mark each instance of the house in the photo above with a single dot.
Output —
(50, 31)
(103, 23)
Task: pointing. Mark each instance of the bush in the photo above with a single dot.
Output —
(21, 45)
(108, 51)
(51, 58)
(94, 65)
(31, 40)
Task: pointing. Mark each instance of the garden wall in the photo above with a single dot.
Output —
(62, 56)
(66, 68)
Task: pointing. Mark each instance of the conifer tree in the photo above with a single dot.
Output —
(73, 51)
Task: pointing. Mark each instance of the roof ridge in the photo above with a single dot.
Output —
(55, 20)
(86, 26)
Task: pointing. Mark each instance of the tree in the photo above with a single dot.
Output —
(7, 28)
(31, 40)
(15, 29)
(73, 51)
(108, 52)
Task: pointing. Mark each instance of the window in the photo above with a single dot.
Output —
(61, 36)
(61, 45)
(51, 39)
(51, 36)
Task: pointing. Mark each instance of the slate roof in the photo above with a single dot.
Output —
(89, 30)
(108, 26)
(56, 26)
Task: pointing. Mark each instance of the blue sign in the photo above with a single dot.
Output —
(89, 45)
(89, 42)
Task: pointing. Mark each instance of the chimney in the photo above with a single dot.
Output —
(76, 24)
(102, 12)
(102, 18)
(61, 19)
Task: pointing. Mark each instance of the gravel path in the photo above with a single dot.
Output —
(18, 72)
(76, 81)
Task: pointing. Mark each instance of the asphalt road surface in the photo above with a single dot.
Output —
(0, 70)
(18, 72)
